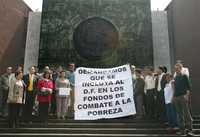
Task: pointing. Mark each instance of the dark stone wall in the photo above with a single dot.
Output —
(115, 32)
(184, 30)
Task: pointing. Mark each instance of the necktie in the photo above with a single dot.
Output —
(30, 87)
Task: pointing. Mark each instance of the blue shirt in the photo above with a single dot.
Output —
(71, 77)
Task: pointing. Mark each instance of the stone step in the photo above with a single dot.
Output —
(98, 124)
(196, 131)
(196, 116)
(198, 135)
(100, 121)
(94, 121)
(196, 121)
(197, 126)
(91, 125)
(87, 130)
(130, 118)
(97, 128)
(83, 135)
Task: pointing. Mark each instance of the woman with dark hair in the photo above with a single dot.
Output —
(15, 98)
(45, 87)
(62, 86)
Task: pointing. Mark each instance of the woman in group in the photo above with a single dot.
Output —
(45, 87)
(15, 98)
(170, 108)
(62, 99)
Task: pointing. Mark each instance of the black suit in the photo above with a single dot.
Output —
(160, 100)
(30, 98)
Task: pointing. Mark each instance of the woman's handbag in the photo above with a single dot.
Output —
(43, 93)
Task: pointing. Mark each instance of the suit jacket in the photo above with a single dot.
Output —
(139, 86)
(26, 81)
(163, 82)
(4, 82)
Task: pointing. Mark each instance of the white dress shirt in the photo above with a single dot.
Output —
(168, 92)
(149, 82)
(159, 81)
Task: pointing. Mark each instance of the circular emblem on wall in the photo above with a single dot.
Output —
(95, 38)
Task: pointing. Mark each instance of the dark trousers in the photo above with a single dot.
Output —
(171, 115)
(182, 109)
(13, 114)
(28, 106)
(53, 104)
(43, 111)
(4, 102)
(1, 94)
(150, 103)
(139, 105)
(160, 106)
(72, 98)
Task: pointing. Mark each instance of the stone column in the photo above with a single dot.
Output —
(160, 39)
(32, 40)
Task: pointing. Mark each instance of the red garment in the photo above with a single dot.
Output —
(45, 84)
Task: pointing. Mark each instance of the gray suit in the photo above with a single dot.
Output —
(4, 82)
(138, 96)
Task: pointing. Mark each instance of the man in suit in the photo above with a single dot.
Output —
(71, 77)
(160, 85)
(30, 81)
(4, 89)
(139, 94)
(150, 95)
(182, 91)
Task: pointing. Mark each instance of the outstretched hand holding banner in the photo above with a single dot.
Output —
(103, 93)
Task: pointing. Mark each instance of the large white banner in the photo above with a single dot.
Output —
(103, 93)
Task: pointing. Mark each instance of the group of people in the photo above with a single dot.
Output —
(36, 93)
(164, 96)
(157, 94)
